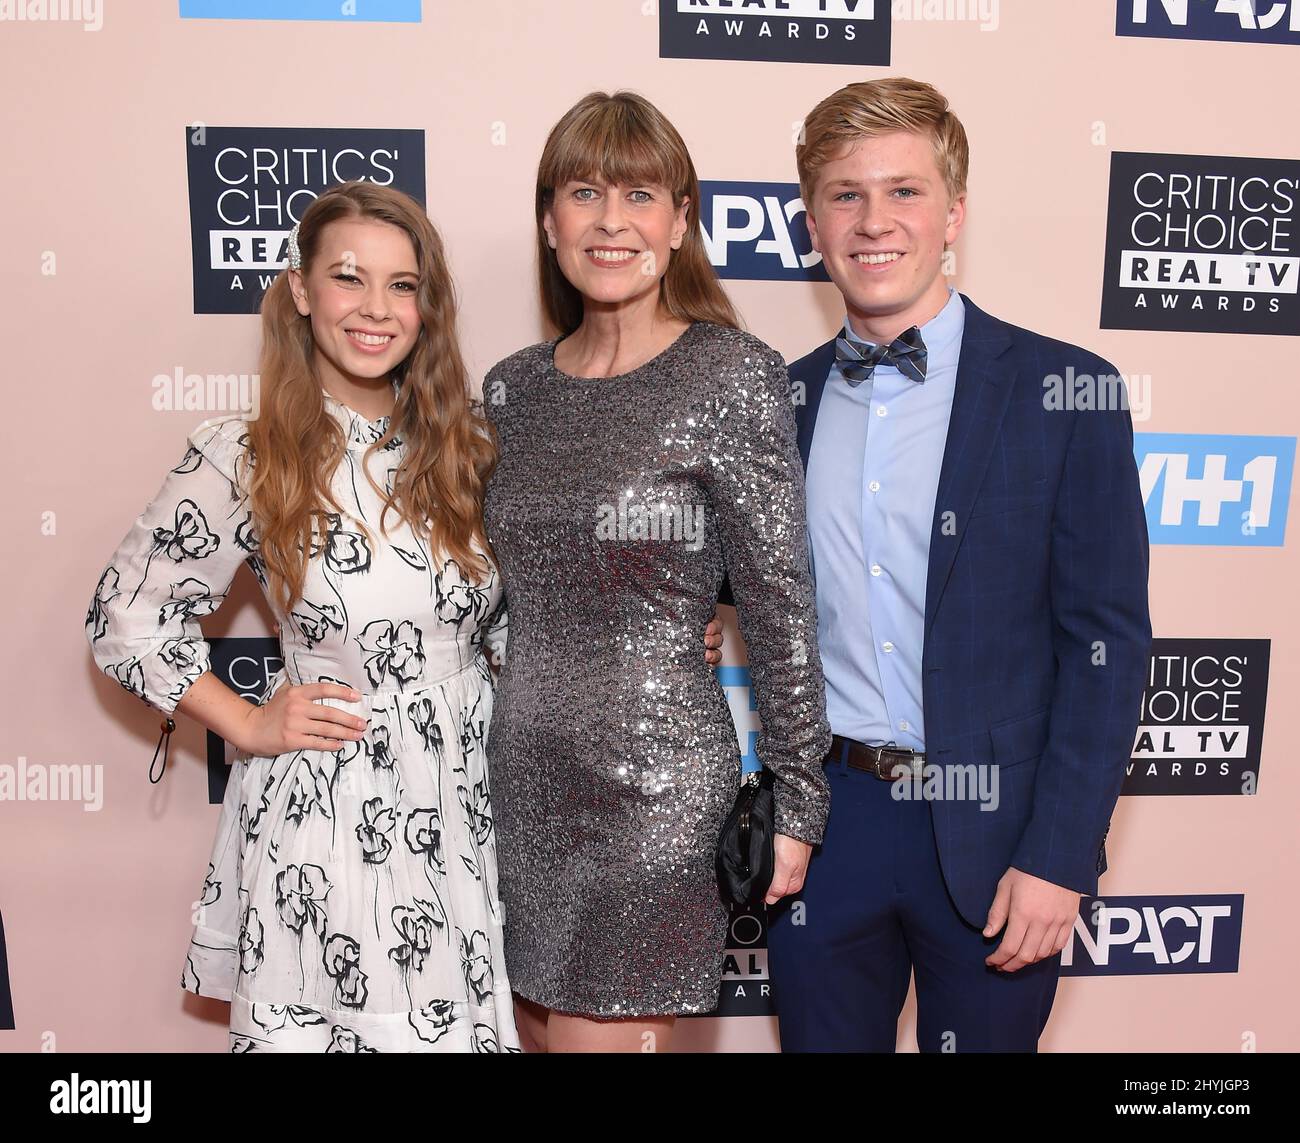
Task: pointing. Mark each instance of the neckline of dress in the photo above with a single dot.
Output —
(361, 431)
(673, 345)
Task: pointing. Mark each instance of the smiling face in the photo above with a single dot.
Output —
(613, 241)
(881, 217)
(360, 293)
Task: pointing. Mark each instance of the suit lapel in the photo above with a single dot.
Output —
(985, 380)
(812, 372)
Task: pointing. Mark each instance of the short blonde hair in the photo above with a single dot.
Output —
(878, 107)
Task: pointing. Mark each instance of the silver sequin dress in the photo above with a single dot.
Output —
(617, 505)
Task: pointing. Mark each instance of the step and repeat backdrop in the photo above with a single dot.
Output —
(1134, 185)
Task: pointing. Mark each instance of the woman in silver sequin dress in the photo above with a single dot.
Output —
(643, 454)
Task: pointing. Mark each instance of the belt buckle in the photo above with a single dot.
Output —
(913, 762)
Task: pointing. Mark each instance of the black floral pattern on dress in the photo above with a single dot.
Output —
(342, 960)
(433, 1021)
(190, 598)
(105, 592)
(476, 962)
(345, 551)
(377, 823)
(346, 1042)
(424, 719)
(394, 653)
(457, 600)
(300, 898)
(416, 927)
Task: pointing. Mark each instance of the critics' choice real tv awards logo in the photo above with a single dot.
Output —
(1142, 936)
(758, 231)
(1220, 490)
(355, 11)
(249, 185)
(1201, 728)
(247, 667)
(1256, 21)
(1202, 244)
(788, 31)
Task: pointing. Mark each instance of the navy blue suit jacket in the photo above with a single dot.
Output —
(1037, 633)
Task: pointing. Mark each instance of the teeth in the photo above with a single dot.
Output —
(876, 259)
(612, 255)
(371, 338)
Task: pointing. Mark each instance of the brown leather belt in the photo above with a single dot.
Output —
(889, 763)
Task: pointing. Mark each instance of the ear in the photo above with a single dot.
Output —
(680, 222)
(548, 224)
(298, 288)
(812, 228)
(956, 219)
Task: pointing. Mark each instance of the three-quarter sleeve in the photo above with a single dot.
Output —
(755, 481)
(175, 566)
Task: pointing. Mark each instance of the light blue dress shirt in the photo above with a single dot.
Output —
(873, 473)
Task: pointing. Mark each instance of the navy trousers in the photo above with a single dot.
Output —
(873, 910)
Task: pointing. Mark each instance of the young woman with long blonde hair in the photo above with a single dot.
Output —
(351, 902)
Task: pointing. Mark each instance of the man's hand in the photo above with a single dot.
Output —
(791, 865)
(1038, 916)
(713, 641)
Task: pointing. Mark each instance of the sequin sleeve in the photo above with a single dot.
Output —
(172, 568)
(755, 481)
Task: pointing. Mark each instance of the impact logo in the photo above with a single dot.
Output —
(756, 232)
(1142, 936)
(247, 667)
(249, 185)
(789, 31)
(1202, 244)
(357, 11)
(1256, 21)
(1222, 490)
(1201, 728)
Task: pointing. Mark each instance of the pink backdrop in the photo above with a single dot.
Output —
(96, 905)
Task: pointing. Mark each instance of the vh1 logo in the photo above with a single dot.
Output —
(1253, 21)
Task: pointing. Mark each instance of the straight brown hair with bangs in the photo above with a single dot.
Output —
(624, 139)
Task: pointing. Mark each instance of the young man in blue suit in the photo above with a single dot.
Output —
(981, 563)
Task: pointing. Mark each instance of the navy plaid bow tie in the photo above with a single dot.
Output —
(858, 359)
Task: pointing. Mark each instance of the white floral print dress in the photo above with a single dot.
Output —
(351, 902)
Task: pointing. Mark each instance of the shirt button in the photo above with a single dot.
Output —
(887, 646)
(875, 569)
(880, 410)
(902, 725)
(874, 486)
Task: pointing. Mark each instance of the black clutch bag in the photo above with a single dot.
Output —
(746, 857)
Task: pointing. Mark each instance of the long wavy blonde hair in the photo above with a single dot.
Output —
(296, 445)
(624, 138)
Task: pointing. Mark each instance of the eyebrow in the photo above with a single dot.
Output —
(357, 266)
(895, 179)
